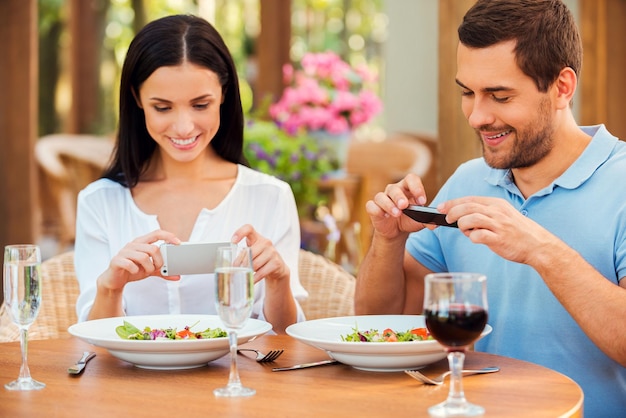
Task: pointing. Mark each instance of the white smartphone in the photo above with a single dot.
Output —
(189, 257)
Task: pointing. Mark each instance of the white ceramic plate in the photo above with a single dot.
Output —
(165, 354)
(326, 333)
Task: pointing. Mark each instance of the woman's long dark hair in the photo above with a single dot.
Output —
(171, 41)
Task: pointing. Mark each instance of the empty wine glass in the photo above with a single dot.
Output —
(22, 296)
(234, 281)
(455, 307)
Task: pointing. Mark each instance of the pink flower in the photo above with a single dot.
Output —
(370, 102)
(365, 74)
(325, 93)
(287, 73)
(345, 101)
(337, 126)
(314, 117)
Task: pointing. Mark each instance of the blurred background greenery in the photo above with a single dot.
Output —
(409, 44)
(355, 29)
(82, 46)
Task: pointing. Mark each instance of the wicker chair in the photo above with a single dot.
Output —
(330, 287)
(59, 294)
(67, 163)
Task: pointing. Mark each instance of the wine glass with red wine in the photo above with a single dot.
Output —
(455, 308)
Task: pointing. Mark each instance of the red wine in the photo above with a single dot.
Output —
(456, 325)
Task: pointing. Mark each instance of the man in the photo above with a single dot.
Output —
(542, 214)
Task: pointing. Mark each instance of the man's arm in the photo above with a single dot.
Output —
(596, 304)
(380, 285)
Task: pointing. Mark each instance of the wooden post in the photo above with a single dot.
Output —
(86, 29)
(457, 141)
(18, 122)
(602, 84)
(273, 48)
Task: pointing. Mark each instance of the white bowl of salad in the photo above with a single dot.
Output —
(373, 342)
(165, 342)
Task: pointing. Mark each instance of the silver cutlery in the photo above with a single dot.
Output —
(80, 365)
(438, 380)
(304, 365)
(261, 357)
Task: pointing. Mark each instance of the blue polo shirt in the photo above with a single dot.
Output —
(586, 208)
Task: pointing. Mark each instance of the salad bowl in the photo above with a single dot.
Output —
(165, 354)
(326, 334)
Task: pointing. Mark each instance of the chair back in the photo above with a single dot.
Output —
(67, 163)
(330, 287)
(58, 305)
(380, 163)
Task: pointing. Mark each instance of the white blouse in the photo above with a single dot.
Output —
(108, 219)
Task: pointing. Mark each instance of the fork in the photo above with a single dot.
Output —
(263, 358)
(438, 380)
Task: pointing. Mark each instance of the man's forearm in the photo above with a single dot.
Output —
(596, 304)
(380, 283)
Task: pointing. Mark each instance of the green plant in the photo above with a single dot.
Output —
(298, 160)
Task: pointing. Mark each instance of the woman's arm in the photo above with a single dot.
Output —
(101, 276)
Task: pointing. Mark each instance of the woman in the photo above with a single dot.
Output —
(178, 174)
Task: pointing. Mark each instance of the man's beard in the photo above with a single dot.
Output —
(529, 146)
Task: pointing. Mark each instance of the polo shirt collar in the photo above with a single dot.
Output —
(597, 152)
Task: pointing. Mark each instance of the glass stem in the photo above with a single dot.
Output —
(24, 371)
(233, 377)
(456, 396)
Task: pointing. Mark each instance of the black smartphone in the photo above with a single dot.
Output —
(428, 215)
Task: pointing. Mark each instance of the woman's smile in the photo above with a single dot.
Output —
(186, 143)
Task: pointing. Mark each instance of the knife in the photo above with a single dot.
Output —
(80, 365)
(304, 365)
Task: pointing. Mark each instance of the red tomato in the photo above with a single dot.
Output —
(185, 333)
(420, 332)
(390, 335)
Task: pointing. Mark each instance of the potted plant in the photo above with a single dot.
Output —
(326, 98)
